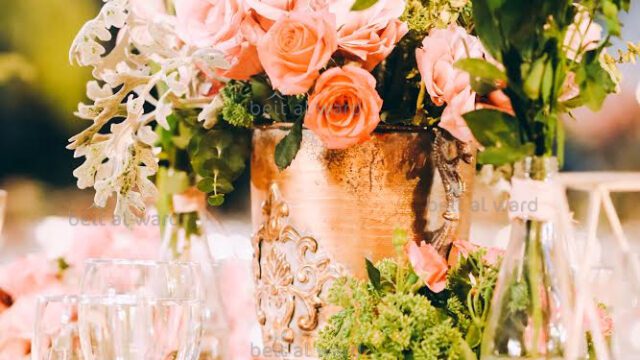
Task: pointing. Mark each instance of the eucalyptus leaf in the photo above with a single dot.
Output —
(288, 147)
(216, 200)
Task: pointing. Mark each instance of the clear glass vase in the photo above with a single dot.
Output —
(531, 309)
(185, 239)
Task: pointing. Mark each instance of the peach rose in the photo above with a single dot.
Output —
(452, 119)
(430, 266)
(344, 108)
(440, 51)
(296, 48)
(224, 25)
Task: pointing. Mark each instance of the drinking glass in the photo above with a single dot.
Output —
(56, 329)
(140, 310)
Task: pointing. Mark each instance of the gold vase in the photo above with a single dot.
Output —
(321, 217)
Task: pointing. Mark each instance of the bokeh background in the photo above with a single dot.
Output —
(39, 91)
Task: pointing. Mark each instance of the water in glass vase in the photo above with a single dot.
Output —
(531, 309)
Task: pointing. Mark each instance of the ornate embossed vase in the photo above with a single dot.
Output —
(331, 209)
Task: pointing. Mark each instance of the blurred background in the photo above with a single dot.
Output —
(40, 90)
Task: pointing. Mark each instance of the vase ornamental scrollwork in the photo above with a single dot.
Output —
(290, 275)
(321, 217)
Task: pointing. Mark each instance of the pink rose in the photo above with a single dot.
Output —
(372, 34)
(344, 108)
(452, 119)
(464, 248)
(275, 9)
(296, 48)
(27, 275)
(570, 88)
(428, 265)
(371, 43)
(582, 36)
(223, 25)
(440, 51)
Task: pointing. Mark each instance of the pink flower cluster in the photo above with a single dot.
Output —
(293, 41)
(447, 85)
(432, 268)
(26, 278)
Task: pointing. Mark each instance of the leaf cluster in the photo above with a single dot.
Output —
(528, 39)
(211, 159)
(393, 315)
(255, 102)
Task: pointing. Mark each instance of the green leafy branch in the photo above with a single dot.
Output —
(528, 39)
(393, 315)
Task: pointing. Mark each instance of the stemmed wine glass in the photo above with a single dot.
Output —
(56, 334)
(140, 310)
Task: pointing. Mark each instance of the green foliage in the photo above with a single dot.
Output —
(394, 316)
(218, 157)
(211, 159)
(485, 76)
(501, 136)
(528, 38)
(255, 101)
(374, 274)
(471, 283)
(594, 81)
(423, 16)
(237, 96)
(288, 147)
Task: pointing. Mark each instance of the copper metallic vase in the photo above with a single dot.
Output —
(331, 209)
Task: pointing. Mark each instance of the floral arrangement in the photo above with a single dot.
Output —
(179, 83)
(418, 306)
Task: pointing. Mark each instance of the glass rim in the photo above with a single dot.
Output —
(60, 298)
(82, 299)
(145, 300)
(139, 262)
